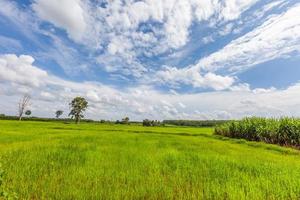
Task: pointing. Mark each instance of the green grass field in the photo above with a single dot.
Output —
(52, 160)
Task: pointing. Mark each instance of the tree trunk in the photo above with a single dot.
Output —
(77, 119)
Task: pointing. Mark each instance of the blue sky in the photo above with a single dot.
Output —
(162, 59)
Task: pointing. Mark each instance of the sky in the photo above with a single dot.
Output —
(155, 59)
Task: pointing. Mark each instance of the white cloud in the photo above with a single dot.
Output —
(66, 14)
(277, 37)
(207, 39)
(119, 34)
(266, 8)
(175, 77)
(233, 8)
(24, 21)
(116, 28)
(20, 70)
(50, 93)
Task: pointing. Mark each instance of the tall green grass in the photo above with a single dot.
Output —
(283, 131)
(4, 194)
(52, 160)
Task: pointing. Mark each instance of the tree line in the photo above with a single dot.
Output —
(78, 106)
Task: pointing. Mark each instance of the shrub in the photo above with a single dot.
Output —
(283, 131)
(125, 120)
(147, 122)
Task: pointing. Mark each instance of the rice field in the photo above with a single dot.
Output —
(53, 160)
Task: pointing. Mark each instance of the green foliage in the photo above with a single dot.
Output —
(58, 113)
(195, 123)
(283, 131)
(147, 122)
(28, 112)
(1, 182)
(125, 120)
(78, 106)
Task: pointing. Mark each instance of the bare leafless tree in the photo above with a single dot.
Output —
(23, 104)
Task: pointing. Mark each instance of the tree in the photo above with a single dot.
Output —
(147, 122)
(23, 104)
(28, 112)
(59, 113)
(78, 106)
(125, 120)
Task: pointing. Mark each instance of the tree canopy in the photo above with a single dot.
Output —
(78, 106)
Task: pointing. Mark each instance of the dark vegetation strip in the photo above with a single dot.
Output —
(187, 123)
(283, 131)
(195, 123)
(39, 119)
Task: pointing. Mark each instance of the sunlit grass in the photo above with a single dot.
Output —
(44, 160)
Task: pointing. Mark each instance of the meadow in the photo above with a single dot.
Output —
(53, 160)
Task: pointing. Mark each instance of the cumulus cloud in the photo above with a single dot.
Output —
(233, 8)
(121, 35)
(66, 14)
(20, 70)
(134, 40)
(175, 77)
(125, 31)
(50, 93)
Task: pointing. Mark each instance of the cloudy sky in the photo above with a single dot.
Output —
(157, 59)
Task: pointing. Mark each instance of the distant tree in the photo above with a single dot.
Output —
(118, 122)
(146, 122)
(23, 104)
(78, 106)
(125, 120)
(28, 112)
(102, 121)
(59, 113)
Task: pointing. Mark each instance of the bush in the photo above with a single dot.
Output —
(147, 122)
(283, 131)
(123, 121)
